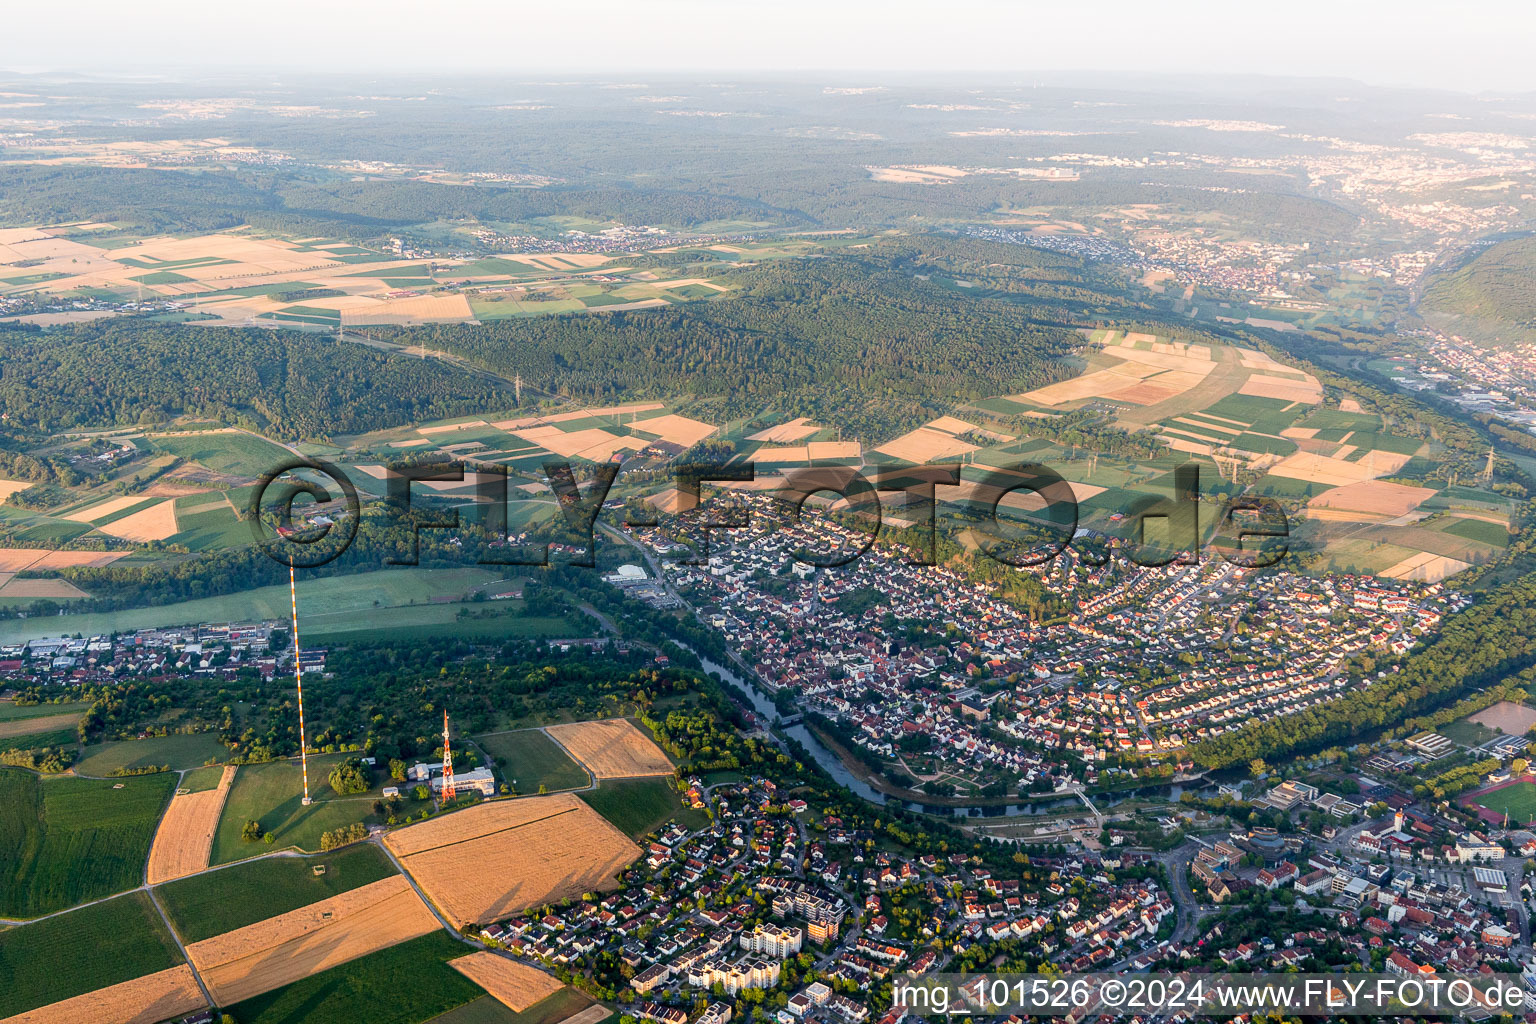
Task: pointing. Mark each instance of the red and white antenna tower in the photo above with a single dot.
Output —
(298, 675)
(448, 790)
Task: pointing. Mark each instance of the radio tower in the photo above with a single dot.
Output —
(298, 675)
(448, 791)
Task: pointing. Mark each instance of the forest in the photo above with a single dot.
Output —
(290, 385)
(901, 350)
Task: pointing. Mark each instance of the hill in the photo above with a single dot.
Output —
(1491, 299)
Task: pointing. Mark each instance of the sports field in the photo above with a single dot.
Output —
(1519, 800)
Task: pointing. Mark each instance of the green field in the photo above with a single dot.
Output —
(1480, 530)
(81, 951)
(550, 1010)
(220, 901)
(242, 454)
(405, 984)
(528, 759)
(41, 740)
(330, 601)
(639, 806)
(419, 621)
(272, 793)
(1519, 800)
(200, 780)
(10, 712)
(67, 840)
(182, 750)
(1466, 732)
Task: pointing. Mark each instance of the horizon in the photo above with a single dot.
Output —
(1402, 46)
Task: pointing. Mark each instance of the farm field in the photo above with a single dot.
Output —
(498, 858)
(638, 806)
(612, 749)
(331, 600)
(221, 901)
(515, 984)
(409, 983)
(185, 836)
(225, 450)
(179, 750)
(13, 712)
(294, 945)
(555, 1009)
(44, 962)
(529, 759)
(272, 794)
(151, 999)
(64, 722)
(64, 841)
(503, 619)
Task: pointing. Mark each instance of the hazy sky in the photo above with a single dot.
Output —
(1468, 46)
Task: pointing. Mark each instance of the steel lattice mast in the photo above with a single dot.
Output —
(448, 790)
(298, 675)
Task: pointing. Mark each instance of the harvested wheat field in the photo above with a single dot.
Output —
(516, 985)
(786, 433)
(591, 1015)
(185, 836)
(280, 950)
(10, 487)
(42, 588)
(562, 417)
(154, 523)
(17, 559)
(832, 450)
(1287, 389)
(925, 445)
(155, 997)
(71, 559)
(1337, 471)
(500, 858)
(674, 429)
(571, 444)
(1375, 497)
(103, 509)
(417, 309)
(1425, 567)
(612, 749)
